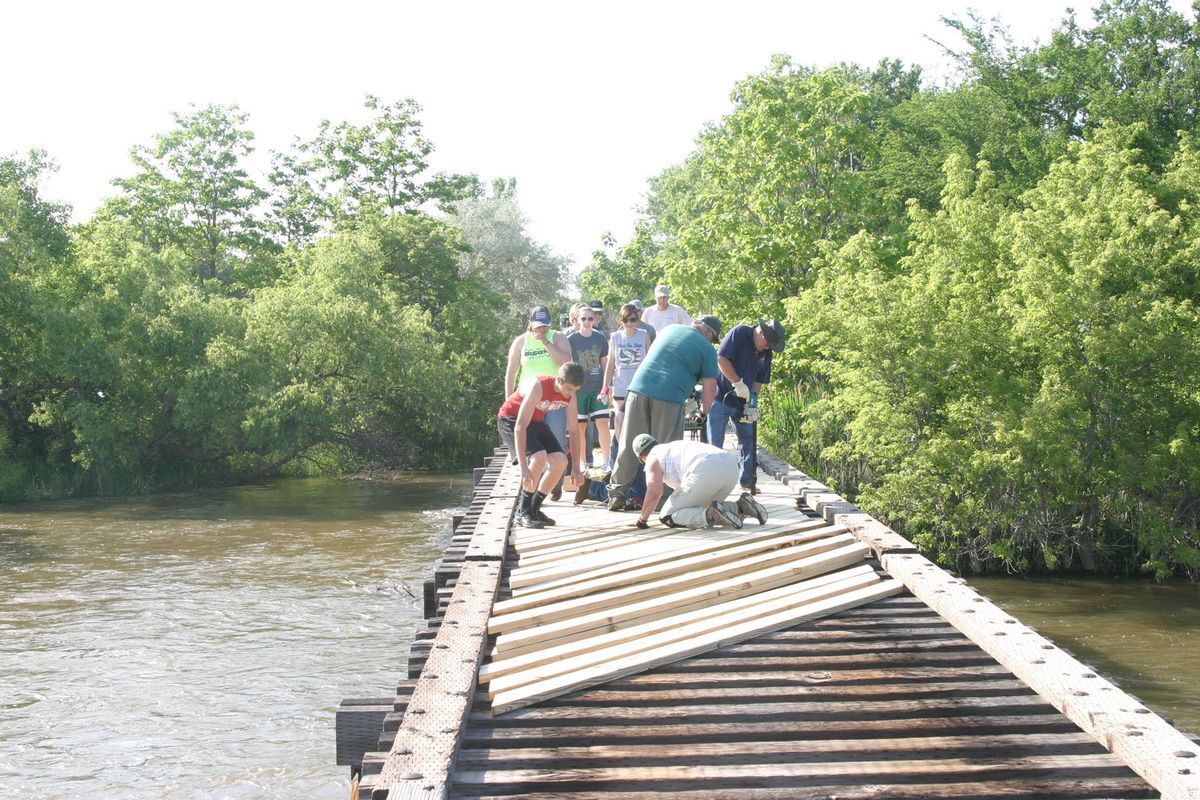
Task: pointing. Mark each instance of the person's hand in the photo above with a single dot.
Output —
(526, 472)
(603, 396)
(742, 390)
(577, 476)
(539, 333)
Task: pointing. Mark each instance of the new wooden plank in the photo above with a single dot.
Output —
(681, 601)
(503, 666)
(1147, 743)
(678, 630)
(526, 695)
(550, 612)
(598, 567)
(695, 560)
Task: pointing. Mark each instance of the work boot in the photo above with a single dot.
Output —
(747, 506)
(616, 502)
(535, 509)
(525, 521)
(724, 513)
(581, 493)
(750, 488)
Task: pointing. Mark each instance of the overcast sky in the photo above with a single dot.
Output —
(581, 102)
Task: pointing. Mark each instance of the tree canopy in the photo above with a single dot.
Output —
(990, 286)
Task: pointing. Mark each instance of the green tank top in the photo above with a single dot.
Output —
(536, 360)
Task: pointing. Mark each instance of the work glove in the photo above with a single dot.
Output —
(742, 390)
(751, 414)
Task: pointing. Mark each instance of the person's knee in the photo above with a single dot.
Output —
(557, 461)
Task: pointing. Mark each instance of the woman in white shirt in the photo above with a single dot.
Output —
(627, 348)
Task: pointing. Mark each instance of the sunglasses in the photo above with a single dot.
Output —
(587, 319)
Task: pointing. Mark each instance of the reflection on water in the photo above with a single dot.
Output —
(197, 645)
(1144, 636)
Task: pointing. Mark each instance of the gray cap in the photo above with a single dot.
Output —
(662, 290)
(713, 324)
(638, 304)
(642, 444)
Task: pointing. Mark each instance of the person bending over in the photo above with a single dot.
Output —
(702, 477)
(523, 430)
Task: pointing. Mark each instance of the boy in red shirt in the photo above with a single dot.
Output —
(522, 430)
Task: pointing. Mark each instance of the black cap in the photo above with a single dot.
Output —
(713, 324)
(772, 331)
(540, 315)
(596, 305)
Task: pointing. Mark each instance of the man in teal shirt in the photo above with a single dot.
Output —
(681, 357)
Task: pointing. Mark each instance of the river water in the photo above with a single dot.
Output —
(197, 645)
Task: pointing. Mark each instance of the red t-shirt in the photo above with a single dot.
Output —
(551, 400)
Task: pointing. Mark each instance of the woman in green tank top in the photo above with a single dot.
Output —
(539, 351)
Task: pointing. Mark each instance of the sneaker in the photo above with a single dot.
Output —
(581, 493)
(526, 521)
(747, 506)
(540, 516)
(724, 513)
(616, 502)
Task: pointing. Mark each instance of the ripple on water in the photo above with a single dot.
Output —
(197, 645)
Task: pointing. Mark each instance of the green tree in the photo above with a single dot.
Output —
(192, 193)
(504, 255)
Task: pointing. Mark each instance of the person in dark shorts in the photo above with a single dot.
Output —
(589, 349)
(529, 439)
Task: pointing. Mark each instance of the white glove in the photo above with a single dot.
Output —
(742, 390)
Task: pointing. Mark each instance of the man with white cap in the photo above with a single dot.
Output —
(664, 312)
(702, 477)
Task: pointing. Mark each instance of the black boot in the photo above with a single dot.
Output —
(523, 518)
(535, 509)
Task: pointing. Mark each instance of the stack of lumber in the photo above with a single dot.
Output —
(594, 599)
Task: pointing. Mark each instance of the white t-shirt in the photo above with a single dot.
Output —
(673, 315)
(677, 458)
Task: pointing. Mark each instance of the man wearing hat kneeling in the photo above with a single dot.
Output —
(702, 477)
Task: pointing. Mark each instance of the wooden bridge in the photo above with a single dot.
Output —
(816, 656)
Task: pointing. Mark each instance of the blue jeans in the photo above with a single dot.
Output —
(718, 417)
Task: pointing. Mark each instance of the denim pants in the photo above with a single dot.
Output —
(718, 417)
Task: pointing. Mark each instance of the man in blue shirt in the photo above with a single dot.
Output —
(681, 357)
(744, 360)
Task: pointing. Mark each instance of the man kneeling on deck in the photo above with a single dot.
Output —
(524, 433)
(702, 477)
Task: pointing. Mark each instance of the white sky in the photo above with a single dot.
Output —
(581, 102)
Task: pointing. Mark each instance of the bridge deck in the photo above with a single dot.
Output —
(886, 698)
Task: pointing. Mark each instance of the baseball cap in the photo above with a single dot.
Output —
(713, 324)
(642, 444)
(540, 316)
(662, 291)
(596, 305)
(772, 331)
(638, 304)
